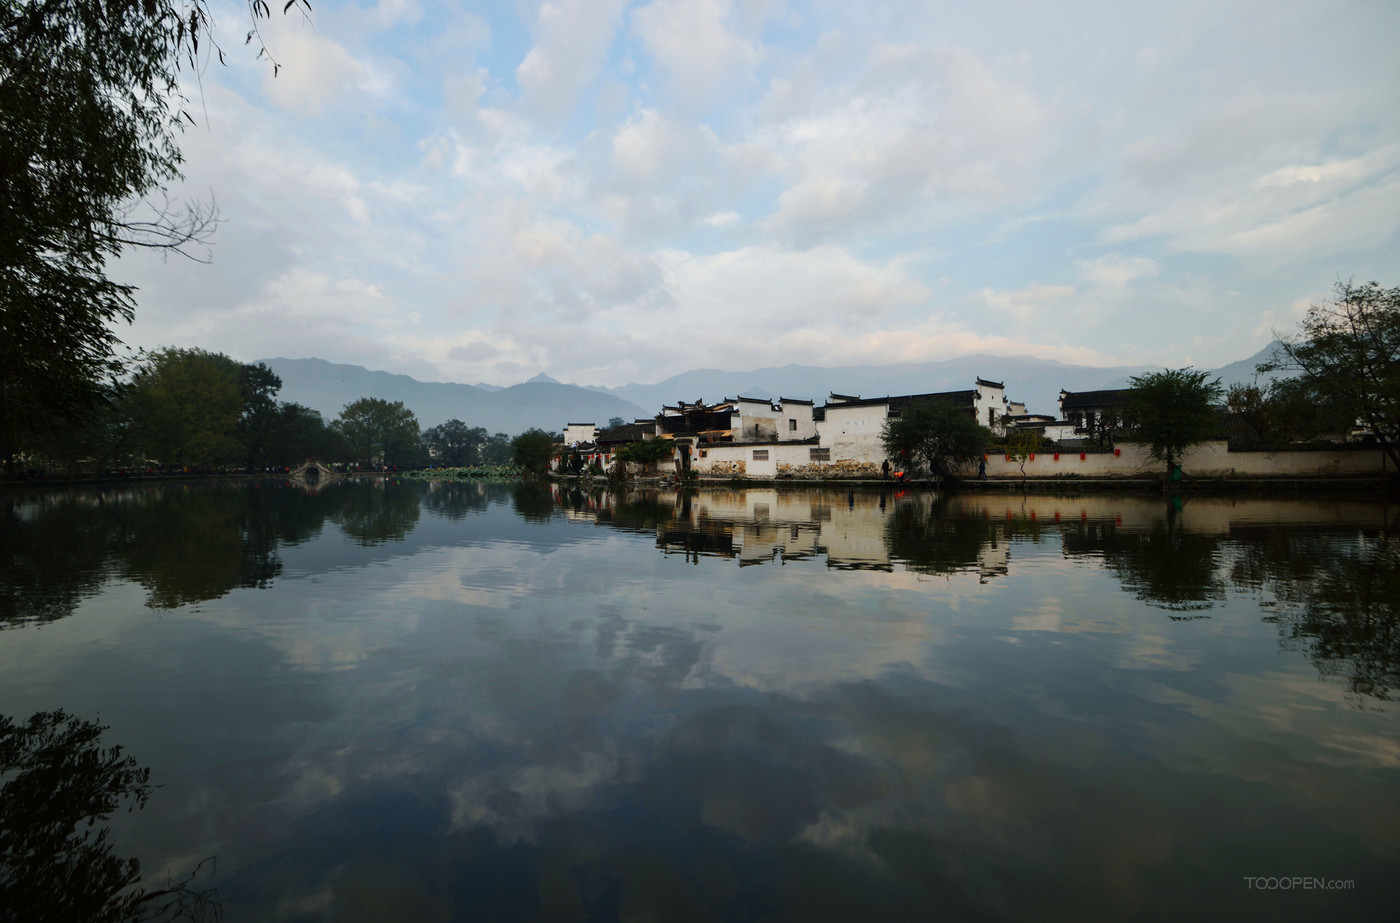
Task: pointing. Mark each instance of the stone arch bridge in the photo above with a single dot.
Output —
(313, 471)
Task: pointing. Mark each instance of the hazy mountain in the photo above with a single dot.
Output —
(548, 404)
(328, 387)
(1242, 372)
(1238, 372)
(1037, 382)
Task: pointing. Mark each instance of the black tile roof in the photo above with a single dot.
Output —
(899, 402)
(1091, 399)
(991, 384)
(627, 432)
(794, 400)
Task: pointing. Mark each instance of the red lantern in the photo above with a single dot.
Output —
(1032, 456)
(1117, 452)
(1081, 456)
(1057, 456)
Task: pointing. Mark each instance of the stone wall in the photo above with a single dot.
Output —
(1209, 459)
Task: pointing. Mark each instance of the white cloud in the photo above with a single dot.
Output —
(314, 71)
(865, 183)
(1027, 304)
(695, 44)
(1252, 176)
(1115, 271)
(572, 38)
(923, 135)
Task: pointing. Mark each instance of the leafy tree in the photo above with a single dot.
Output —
(1172, 410)
(299, 433)
(1021, 446)
(935, 435)
(258, 386)
(645, 452)
(103, 438)
(89, 113)
(379, 432)
(455, 444)
(533, 449)
(1348, 351)
(615, 422)
(496, 450)
(1249, 405)
(1284, 411)
(187, 405)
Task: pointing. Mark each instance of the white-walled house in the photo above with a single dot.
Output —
(578, 433)
(853, 427)
(755, 437)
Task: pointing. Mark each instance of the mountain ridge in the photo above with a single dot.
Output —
(328, 386)
(548, 404)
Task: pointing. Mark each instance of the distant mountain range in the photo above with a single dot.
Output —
(543, 402)
(549, 404)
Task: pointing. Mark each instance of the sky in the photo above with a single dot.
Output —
(612, 192)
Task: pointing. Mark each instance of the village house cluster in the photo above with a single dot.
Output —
(763, 438)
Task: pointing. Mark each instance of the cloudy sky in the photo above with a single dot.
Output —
(613, 192)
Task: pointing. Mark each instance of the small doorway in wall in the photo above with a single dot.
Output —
(685, 458)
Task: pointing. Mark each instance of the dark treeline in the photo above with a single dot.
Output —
(192, 409)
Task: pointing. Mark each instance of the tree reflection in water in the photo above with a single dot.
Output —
(1164, 565)
(188, 543)
(456, 500)
(375, 512)
(938, 537)
(534, 501)
(1336, 598)
(60, 786)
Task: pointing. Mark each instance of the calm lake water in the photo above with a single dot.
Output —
(455, 701)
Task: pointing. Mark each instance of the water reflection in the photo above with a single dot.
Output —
(375, 512)
(57, 860)
(1334, 597)
(1162, 562)
(763, 704)
(189, 543)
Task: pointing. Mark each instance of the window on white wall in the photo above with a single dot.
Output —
(760, 454)
(792, 425)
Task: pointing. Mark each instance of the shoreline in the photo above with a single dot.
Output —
(1282, 485)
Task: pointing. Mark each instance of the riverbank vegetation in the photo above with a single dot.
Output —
(190, 410)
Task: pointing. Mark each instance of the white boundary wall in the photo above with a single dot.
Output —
(1209, 459)
(737, 460)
